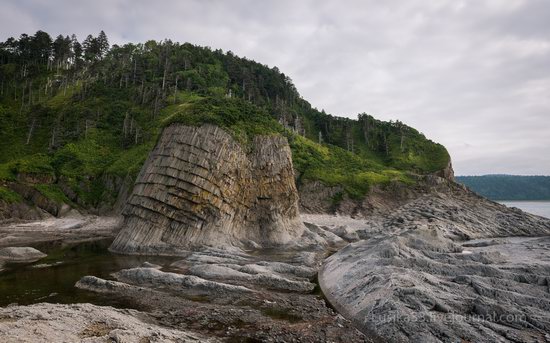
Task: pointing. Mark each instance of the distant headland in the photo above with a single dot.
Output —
(509, 187)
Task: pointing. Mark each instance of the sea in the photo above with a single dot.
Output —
(541, 208)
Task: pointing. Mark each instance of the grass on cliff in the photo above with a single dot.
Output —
(9, 196)
(334, 166)
(240, 118)
(52, 192)
(38, 164)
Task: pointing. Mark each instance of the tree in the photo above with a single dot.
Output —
(41, 46)
(102, 44)
(402, 129)
(365, 119)
(9, 47)
(77, 49)
(61, 49)
(91, 48)
(24, 47)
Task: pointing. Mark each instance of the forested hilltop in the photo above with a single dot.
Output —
(78, 117)
(509, 187)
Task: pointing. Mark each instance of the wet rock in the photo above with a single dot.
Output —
(95, 284)
(46, 265)
(20, 254)
(150, 265)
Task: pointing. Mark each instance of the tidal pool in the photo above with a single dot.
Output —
(52, 278)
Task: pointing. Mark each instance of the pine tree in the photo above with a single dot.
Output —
(103, 44)
(76, 49)
(91, 48)
(41, 46)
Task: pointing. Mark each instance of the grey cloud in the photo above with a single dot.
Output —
(473, 75)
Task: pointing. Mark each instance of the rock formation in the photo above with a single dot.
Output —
(238, 296)
(447, 267)
(200, 187)
(21, 254)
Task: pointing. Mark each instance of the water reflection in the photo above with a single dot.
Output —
(52, 279)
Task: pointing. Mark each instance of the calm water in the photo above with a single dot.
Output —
(541, 208)
(36, 282)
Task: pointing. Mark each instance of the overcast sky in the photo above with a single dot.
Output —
(472, 75)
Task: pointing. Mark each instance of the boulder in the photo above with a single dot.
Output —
(20, 254)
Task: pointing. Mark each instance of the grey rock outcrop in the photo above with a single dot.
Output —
(37, 202)
(271, 275)
(21, 210)
(447, 172)
(177, 282)
(316, 197)
(446, 267)
(200, 187)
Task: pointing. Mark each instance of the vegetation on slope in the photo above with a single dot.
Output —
(509, 187)
(87, 114)
(9, 196)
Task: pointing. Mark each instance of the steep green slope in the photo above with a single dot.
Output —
(509, 187)
(82, 117)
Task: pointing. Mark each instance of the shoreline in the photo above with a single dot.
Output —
(285, 303)
(287, 294)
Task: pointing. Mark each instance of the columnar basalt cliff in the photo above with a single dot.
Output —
(200, 187)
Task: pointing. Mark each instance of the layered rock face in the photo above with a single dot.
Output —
(199, 187)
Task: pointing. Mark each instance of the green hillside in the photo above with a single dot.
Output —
(77, 116)
(509, 187)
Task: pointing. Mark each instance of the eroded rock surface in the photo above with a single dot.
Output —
(84, 323)
(199, 187)
(177, 282)
(265, 296)
(446, 268)
(244, 270)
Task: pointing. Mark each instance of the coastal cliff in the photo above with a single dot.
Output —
(200, 187)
